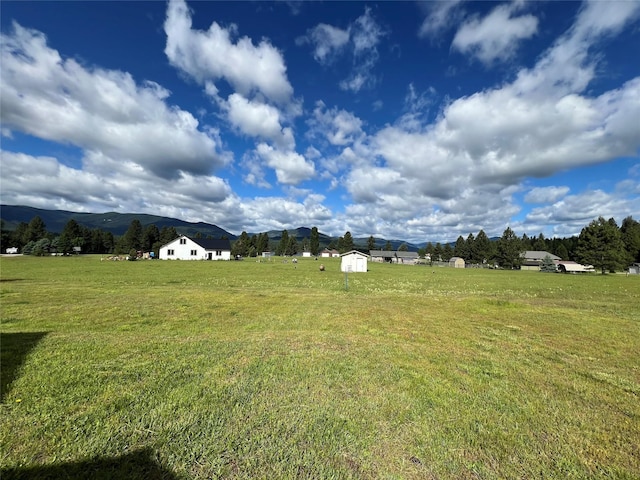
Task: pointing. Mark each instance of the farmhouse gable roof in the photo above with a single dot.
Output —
(538, 255)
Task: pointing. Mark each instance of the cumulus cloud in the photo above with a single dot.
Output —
(104, 184)
(291, 168)
(545, 194)
(258, 120)
(339, 127)
(360, 40)
(484, 145)
(328, 41)
(496, 36)
(208, 56)
(49, 97)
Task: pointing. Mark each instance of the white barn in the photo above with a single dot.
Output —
(354, 261)
(186, 248)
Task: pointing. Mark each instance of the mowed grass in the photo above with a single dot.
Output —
(181, 370)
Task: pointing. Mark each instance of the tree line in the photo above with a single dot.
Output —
(602, 243)
(33, 238)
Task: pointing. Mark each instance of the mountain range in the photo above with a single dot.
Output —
(118, 223)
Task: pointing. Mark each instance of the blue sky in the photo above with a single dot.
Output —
(419, 121)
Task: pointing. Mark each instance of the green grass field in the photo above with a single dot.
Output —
(181, 370)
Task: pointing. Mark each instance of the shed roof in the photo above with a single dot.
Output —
(354, 252)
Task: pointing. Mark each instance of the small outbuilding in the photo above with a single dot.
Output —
(456, 262)
(354, 261)
(634, 269)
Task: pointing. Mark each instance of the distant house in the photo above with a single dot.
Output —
(306, 254)
(12, 250)
(565, 266)
(326, 253)
(354, 261)
(633, 269)
(456, 262)
(186, 248)
(532, 259)
(390, 256)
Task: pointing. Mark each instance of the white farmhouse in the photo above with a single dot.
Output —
(354, 261)
(187, 248)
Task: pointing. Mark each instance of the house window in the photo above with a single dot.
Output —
(183, 241)
(218, 253)
(194, 253)
(170, 252)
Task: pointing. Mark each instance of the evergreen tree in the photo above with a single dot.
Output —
(284, 242)
(371, 243)
(484, 248)
(19, 236)
(460, 249)
(630, 233)
(539, 244)
(347, 243)
(388, 247)
(509, 250)
(548, 266)
(132, 239)
(292, 246)
(150, 237)
(600, 244)
(437, 253)
(69, 238)
(168, 234)
(314, 242)
(5, 241)
(36, 230)
(429, 248)
(403, 248)
(242, 245)
(447, 252)
(561, 251)
(262, 243)
(472, 254)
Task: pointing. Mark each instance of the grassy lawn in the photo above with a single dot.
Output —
(180, 370)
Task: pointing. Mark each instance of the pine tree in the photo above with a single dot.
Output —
(36, 230)
(600, 244)
(484, 248)
(630, 232)
(314, 242)
(371, 243)
(548, 266)
(347, 243)
(509, 250)
(132, 239)
(284, 242)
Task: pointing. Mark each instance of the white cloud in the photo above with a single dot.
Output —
(573, 212)
(496, 36)
(46, 96)
(208, 56)
(103, 184)
(440, 17)
(360, 39)
(327, 40)
(339, 127)
(258, 120)
(291, 168)
(545, 194)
